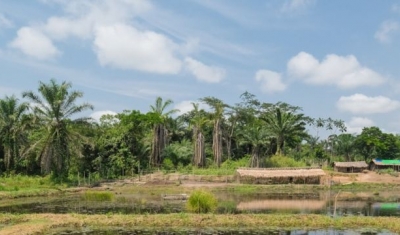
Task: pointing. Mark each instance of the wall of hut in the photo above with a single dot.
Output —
(375, 167)
(349, 169)
(280, 180)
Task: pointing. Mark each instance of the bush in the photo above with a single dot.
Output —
(388, 171)
(98, 196)
(283, 161)
(201, 201)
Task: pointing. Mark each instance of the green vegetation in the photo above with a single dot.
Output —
(98, 196)
(46, 223)
(46, 138)
(389, 171)
(201, 201)
(25, 186)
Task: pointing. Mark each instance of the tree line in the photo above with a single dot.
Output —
(44, 133)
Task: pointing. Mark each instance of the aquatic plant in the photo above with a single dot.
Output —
(201, 201)
(98, 196)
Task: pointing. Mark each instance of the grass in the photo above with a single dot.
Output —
(201, 201)
(26, 186)
(98, 196)
(42, 223)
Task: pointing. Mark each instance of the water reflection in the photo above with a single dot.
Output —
(296, 203)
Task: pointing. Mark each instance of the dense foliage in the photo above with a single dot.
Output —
(46, 133)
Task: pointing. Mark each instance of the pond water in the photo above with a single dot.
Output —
(348, 203)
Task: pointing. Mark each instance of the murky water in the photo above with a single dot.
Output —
(347, 203)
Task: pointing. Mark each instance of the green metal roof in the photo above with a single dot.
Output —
(391, 162)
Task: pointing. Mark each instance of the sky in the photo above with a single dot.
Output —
(337, 59)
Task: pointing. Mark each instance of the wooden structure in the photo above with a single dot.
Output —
(280, 175)
(350, 167)
(380, 164)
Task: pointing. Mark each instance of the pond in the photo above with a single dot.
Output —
(346, 203)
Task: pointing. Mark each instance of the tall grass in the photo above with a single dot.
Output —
(201, 201)
(98, 196)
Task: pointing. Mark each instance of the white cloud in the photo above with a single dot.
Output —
(125, 47)
(395, 8)
(84, 16)
(386, 31)
(187, 106)
(291, 6)
(270, 81)
(362, 104)
(356, 124)
(5, 22)
(34, 43)
(341, 71)
(205, 73)
(98, 114)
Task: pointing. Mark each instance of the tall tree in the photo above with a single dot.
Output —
(198, 122)
(368, 142)
(256, 136)
(13, 122)
(53, 106)
(160, 132)
(345, 145)
(283, 121)
(217, 116)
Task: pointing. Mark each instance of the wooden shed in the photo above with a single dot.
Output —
(280, 175)
(350, 167)
(379, 164)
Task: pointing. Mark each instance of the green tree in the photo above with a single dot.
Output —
(256, 136)
(345, 145)
(53, 108)
(160, 132)
(13, 135)
(283, 121)
(217, 116)
(198, 122)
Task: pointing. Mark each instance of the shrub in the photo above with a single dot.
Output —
(98, 196)
(283, 161)
(201, 201)
(389, 171)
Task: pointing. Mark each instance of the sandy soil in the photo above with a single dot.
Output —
(367, 177)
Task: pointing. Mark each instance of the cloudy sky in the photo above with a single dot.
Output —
(336, 59)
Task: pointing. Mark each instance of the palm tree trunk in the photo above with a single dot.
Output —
(255, 161)
(159, 143)
(217, 143)
(199, 155)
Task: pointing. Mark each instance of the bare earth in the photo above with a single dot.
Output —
(368, 177)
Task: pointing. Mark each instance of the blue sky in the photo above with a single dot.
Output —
(336, 59)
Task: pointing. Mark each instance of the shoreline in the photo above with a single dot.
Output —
(44, 223)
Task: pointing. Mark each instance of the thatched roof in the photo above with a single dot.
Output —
(279, 172)
(382, 162)
(360, 164)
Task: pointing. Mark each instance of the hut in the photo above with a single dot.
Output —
(380, 164)
(280, 175)
(350, 167)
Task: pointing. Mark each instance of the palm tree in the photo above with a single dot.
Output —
(13, 122)
(256, 136)
(217, 117)
(53, 108)
(160, 132)
(345, 145)
(198, 122)
(284, 122)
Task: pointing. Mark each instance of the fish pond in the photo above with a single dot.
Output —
(136, 199)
